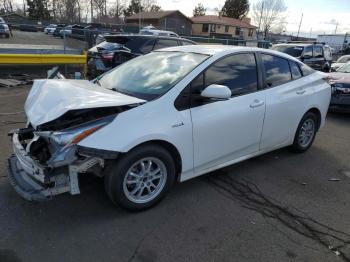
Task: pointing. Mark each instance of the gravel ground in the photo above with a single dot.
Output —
(277, 207)
(38, 38)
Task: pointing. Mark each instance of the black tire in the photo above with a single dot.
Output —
(116, 172)
(298, 146)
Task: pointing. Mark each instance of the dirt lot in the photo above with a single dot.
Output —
(277, 207)
(38, 38)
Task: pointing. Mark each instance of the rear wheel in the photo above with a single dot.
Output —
(306, 133)
(141, 178)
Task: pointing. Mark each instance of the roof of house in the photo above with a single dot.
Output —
(222, 20)
(154, 15)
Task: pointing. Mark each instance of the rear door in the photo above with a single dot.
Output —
(286, 92)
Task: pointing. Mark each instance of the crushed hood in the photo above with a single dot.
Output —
(50, 98)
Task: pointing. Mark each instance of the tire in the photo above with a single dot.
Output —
(306, 132)
(124, 176)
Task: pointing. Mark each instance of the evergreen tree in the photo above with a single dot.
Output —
(199, 10)
(134, 7)
(38, 9)
(235, 8)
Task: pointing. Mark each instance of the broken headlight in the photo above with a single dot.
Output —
(72, 136)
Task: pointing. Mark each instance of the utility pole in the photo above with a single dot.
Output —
(261, 13)
(301, 20)
(92, 11)
(310, 32)
(336, 28)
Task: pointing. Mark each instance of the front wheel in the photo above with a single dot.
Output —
(140, 178)
(306, 133)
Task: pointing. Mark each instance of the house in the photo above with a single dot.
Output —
(172, 20)
(223, 27)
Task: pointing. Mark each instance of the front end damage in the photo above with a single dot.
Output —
(47, 163)
(47, 158)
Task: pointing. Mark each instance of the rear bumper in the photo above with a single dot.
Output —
(340, 103)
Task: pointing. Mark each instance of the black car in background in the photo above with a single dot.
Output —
(316, 55)
(340, 83)
(4, 30)
(118, 49)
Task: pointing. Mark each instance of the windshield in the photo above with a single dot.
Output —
(345, 68)
(150, 76)
(343, 59)
(295, 51)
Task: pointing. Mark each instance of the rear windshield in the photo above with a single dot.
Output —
(134, 44)
(343, 59)
(295, 51)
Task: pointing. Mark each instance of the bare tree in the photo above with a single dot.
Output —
(268, 14)
(7, 6)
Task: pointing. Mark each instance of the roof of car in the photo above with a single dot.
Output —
(222, 49)
(145, 36)
(300, 44)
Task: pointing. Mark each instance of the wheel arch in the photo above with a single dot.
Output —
(317, 112)
(171, 148)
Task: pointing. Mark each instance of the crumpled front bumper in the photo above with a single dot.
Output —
(31, 180)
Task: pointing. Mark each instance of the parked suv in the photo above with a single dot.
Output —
(316, 55)
(118, 49)
(4, 30)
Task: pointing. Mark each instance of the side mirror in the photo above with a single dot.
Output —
(217, 92)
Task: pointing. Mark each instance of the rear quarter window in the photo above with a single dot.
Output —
(306, 70)
(277, 71)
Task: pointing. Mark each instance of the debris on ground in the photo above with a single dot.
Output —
(15, 80)
(334, 179)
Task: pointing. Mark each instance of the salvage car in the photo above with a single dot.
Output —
(316, 55)
(167, 116)
(340, 62)
(340, 82)
(117, 49)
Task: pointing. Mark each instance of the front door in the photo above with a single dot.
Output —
(227, 130)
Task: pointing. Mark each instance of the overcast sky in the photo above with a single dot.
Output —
(320, 16)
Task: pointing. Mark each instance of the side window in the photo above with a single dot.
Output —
(318, 52)
(296, 73)
(147, 47)
(306, 70)
(308, 52)
(237, 72)
(277, 70)
(163, 43)
(186, 43)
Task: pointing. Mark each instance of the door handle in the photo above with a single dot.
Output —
(300, 92)
(257, 103)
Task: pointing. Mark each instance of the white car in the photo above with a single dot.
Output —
(157, 32)
(340, 62)
(50, 29)
(171, 115)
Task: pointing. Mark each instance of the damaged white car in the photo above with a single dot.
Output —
(168, 116)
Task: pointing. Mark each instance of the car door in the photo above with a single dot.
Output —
(286, 92)
(224, 131)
